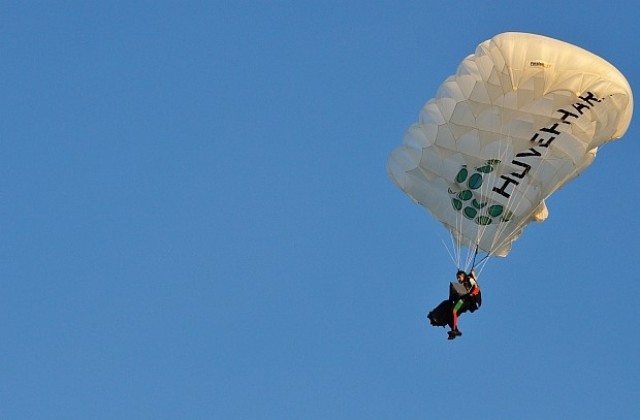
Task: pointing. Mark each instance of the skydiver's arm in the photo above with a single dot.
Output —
(474, 284)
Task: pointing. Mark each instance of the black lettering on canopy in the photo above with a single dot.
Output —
(544, 137)
(566, 114)
(543, 142)
(551, 129)
(503, 190)
(590, 98)
(525, 171)
(580, 106)
(529, 153)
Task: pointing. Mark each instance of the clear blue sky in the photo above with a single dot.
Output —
(197, 222)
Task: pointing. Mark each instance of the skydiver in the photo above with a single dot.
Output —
(469, 301)
(464, 295)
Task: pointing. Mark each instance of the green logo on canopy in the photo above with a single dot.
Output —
(471, 205)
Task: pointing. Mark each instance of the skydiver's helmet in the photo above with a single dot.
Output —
(463, 273)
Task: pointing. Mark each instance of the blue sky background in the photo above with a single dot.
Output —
(197, 222)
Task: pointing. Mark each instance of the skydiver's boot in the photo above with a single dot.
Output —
(454, 333)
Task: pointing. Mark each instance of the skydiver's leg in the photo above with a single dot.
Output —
(456, 308)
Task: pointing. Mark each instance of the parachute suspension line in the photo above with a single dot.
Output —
(483, 261)
(467, 264)
(503, 154)
(475, 254)
(455, 251)
(470, 259)
(459, 247)
(513, 206)
(484, 192)
(452, 252)
(503, 130)
(456, 243)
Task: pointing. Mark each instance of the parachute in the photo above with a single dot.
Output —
(521, 117)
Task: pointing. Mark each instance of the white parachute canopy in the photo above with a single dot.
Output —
(520, 118)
